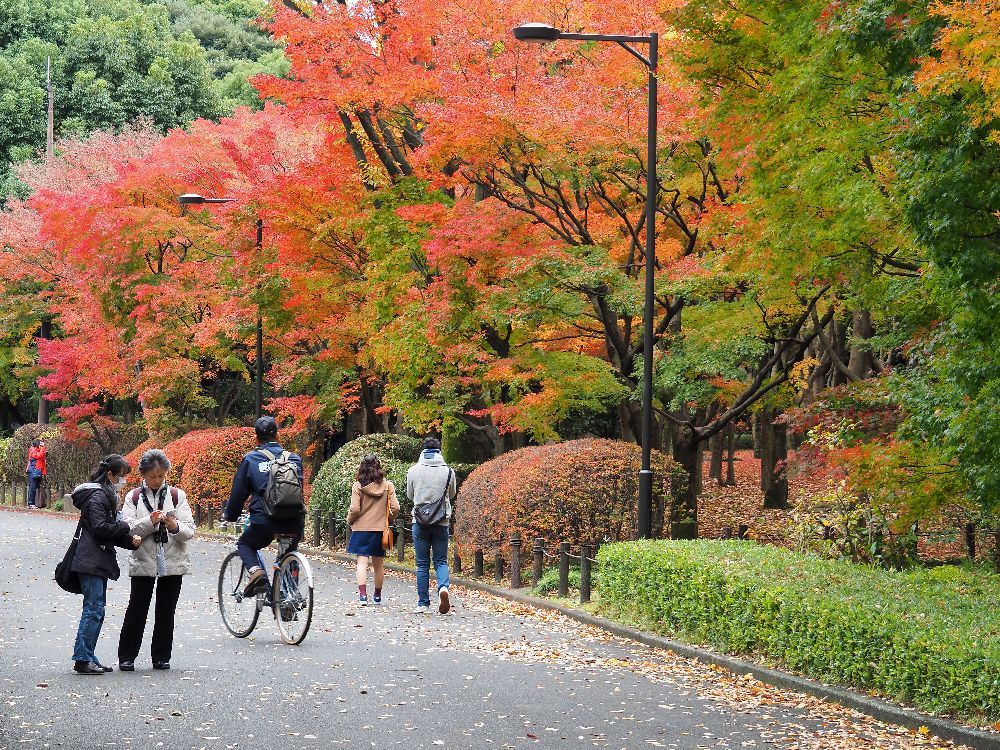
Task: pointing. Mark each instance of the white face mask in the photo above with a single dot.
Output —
(120, 484)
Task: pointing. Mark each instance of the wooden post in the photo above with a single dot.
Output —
(400, 538)
(331, 530)
(586, 551)
(563, 568)
(515, 561)
(970, 540)
(478, 564)
(197, 514)
(498, 567)
(317, 528)
(537, 561)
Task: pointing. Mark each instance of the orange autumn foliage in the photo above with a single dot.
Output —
(578, 491)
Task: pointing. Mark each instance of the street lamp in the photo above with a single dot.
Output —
(541, 33)
(193, 199)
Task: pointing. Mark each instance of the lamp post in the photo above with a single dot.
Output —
(541, 33)
(193, 199)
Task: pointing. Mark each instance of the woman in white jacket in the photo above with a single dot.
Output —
(160, 514)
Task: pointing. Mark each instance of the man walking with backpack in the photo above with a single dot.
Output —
(272, 478)
(431, 485)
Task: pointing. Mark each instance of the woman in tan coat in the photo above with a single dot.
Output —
(371, 496)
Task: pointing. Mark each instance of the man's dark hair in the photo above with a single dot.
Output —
(431, 444)
(266, 429)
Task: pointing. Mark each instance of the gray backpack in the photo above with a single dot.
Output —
(283, 498)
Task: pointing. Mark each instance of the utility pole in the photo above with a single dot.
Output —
(50, 131)
(50, 141)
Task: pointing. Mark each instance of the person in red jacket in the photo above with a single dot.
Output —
(36, 470)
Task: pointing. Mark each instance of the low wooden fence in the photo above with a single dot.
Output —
(16, 493)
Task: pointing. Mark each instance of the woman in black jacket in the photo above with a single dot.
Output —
(95, 559)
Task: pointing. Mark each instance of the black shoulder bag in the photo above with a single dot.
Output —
(431, 514)
(66, 579)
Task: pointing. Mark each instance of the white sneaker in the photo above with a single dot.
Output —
(421, 609)
(444, 602)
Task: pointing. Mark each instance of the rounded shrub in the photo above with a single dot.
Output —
(579, 491)
(203, 462)
(331, 491)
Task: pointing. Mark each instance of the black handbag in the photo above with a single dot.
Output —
(431, 514)
(65, 577)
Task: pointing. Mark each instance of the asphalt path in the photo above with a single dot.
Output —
(490, 674)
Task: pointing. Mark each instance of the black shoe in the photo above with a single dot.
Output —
(126, 666)
(87, 667)
(161, 665)
(106, 669)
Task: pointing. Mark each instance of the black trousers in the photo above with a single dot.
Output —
(259, 534)
(168, 590)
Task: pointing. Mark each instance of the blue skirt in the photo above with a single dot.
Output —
(367, 543)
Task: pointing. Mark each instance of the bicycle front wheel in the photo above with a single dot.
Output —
(293, 598)
(239, 612)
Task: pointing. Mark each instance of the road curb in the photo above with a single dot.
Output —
(874, 707)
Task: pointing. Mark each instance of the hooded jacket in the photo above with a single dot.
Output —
(142, 561)
(100, 532)
(429, 479)
(367, 511)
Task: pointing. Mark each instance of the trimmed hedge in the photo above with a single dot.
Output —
(332, 488)
(578, 491)
(68, 462)
(203, 462)
(929, 637)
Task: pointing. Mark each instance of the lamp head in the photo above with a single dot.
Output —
(536, 32)
(189, 199)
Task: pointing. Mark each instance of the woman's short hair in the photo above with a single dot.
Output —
(370, 471)
(154, 458)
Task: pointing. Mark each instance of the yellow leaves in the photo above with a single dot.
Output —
(969, 59)
(799, 375)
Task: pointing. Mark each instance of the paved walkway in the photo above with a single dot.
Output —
(490, 675)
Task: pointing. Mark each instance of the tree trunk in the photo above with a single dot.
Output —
(684, 506)
(861, 329)
(838, 335)
(43, 405)
(731, 455)
(715, 466)
(773, 454)
(630, 421)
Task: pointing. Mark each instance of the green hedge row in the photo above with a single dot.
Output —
(331, 490)
(928, 637)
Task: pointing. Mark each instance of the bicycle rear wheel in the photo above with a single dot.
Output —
(293, 598)
(239, 612)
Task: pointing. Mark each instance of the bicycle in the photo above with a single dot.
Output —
(287, 598)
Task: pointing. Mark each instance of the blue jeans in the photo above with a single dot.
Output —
(95, 592)
(33, 484)
(426, 541)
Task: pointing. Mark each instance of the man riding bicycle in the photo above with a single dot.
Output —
(272, 478)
